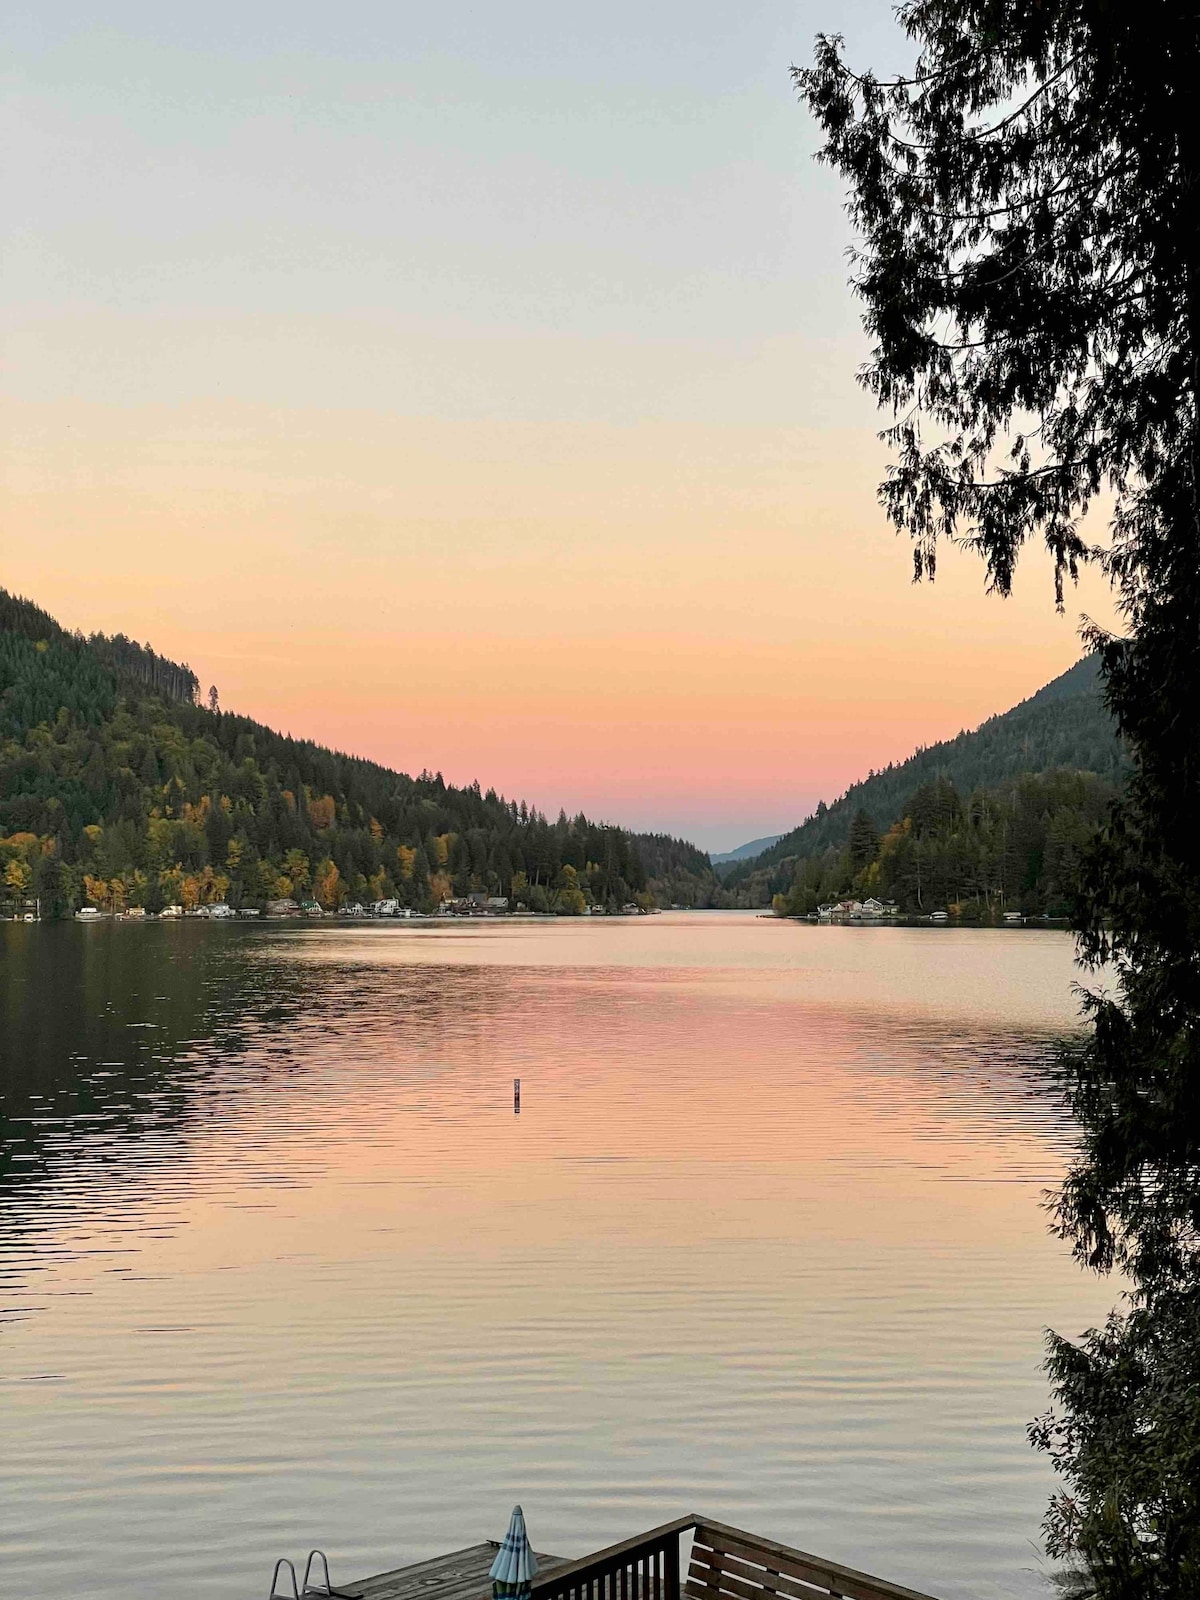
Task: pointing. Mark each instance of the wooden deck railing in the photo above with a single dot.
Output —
(733, 1565)
(725, 1564)
(643, 1568)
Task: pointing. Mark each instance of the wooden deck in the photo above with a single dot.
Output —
(462, 1575)
(717, 1563)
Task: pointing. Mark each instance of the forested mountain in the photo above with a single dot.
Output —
(118, 789)
(681, 873)
(1064, 728)
(1015, 846)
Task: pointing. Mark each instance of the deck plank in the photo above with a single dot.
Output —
(461, 1575)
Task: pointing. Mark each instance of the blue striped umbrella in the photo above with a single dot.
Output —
(515, 1566)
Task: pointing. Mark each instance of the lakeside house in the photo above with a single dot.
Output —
(857, 910)
(879, 908)
(474, 905)
(282, 908)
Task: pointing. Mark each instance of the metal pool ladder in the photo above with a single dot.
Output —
(314, 1584)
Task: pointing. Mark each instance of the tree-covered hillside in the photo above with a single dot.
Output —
(1064, 726)
(117, 789)
(1015, 847)
(681, 873)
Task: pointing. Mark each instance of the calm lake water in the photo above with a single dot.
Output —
(282, 1268)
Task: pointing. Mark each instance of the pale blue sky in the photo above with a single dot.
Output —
(626, 173)
(333, 330)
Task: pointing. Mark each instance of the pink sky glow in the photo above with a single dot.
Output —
(481, 400)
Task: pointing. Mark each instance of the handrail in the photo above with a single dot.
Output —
(309, 1586)
(591, 1577)
(645, 1567)
(611, 1553)
(842, 1580)
(272, 1592)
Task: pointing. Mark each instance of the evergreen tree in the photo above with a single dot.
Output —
(1029, 205)
(864, 842)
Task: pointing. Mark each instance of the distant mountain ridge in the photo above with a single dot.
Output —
(744, 852)
(1064, 725)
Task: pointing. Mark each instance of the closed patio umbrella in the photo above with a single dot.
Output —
(515, 1566)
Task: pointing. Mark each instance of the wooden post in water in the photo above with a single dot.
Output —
(516, 1097)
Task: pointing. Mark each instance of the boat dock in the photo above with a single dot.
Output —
(461, 1575)
(722, 1563)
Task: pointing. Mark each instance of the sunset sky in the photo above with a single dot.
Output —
(472, 387)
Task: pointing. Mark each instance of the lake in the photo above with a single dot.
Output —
(281, 1267)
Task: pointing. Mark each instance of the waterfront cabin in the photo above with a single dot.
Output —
(476, 904)
(840, 911)
(878, 908)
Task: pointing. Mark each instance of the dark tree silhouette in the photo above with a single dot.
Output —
(1029, 206)
(864, 841)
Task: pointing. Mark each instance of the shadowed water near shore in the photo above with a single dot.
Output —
(280, 1266)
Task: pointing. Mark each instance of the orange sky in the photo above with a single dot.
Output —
(477, 406)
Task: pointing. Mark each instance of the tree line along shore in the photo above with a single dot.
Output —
(123, 789)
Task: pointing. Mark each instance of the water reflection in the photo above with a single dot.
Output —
(279, 1261)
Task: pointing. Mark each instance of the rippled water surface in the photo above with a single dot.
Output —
(280, 1266)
